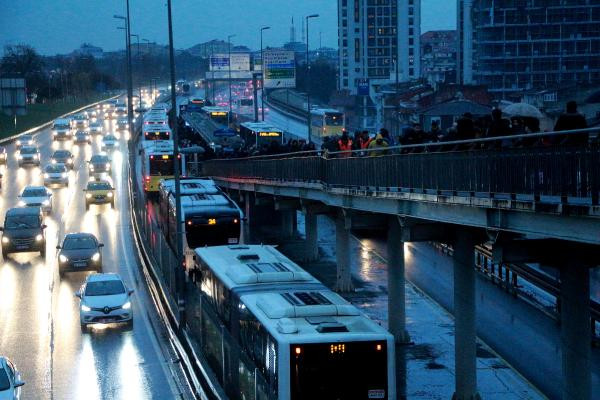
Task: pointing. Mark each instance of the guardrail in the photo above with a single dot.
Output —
(47, 124)
(563, 172)
(508, 276)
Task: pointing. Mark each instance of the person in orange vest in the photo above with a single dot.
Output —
(345, 145)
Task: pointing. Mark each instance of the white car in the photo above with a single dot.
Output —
(109, 142)
(104, 299)
(10, 380)
(96, 128)
(28, 155)
(25, 140)
(56, 174)
(36, 196)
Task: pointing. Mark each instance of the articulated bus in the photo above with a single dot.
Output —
(158, 163)
(216, 114)
(206, 220)
(326, 122)
(260, 133)
(275, 332)
(187, 187)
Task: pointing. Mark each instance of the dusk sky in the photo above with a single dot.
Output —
(60, 26)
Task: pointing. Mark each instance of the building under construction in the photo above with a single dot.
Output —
(517, 45)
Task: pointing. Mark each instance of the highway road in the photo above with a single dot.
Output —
(39, 314)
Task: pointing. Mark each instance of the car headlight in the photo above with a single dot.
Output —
(69, 161)
(96, 257)
(107, 165)
(91, 167)
(53, 161)
(5, 240)
(46, 176)
(126, 306)
(18, 142)
(64, 175)
(46, 202)
(109, 194)
(88, 195)
(19, 157)
(22, 203)
(62, 259)
(85, 308)
(39, 237)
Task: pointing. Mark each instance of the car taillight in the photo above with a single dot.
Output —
(147, 178)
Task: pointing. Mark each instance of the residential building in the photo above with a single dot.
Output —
(522, 45)
(372, 34)
(438, 56)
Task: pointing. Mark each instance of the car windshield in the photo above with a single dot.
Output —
(53, 169)
(79, 243)
(28, 150)
(99, 186)
(26, 138)
(99, 159)
(104, 288)
(34, 192)
(61, 154)
(22, 222)
(4, 382)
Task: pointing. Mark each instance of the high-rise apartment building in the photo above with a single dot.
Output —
(372, 33)
(516, 45)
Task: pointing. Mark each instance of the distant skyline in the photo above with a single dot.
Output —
(59, 27)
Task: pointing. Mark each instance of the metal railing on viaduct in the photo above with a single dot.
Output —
(535, 197)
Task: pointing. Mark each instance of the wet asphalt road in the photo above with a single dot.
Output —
(39, 315)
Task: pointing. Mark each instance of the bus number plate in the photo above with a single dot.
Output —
(377, 394)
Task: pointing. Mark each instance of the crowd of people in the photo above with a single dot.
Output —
(414, 139)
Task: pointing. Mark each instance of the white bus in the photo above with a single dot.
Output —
(272, 331)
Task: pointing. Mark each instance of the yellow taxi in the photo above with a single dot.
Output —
(99, 192)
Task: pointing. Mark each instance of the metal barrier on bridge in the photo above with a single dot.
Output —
(448, 168)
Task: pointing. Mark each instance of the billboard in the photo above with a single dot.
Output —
(280, 69)
(13, 96)
(239, 62)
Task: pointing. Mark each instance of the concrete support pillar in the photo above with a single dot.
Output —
(342, 252)
(288, 225)
(465, 344)
(312, 236)
(396, 283)
(575, 331)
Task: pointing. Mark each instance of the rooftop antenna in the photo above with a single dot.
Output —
(303, 32)
(292, 32)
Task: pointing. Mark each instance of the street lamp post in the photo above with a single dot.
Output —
(308, 78)
(138, 64)
(262, 68)
(129, 77)
(229, 62)
(179, 272)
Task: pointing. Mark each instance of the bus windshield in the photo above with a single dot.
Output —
(162, 166)
(334, 119)
(157, 135)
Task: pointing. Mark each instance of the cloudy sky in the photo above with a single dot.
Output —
(59, 26)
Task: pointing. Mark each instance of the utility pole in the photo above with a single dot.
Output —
(129, 77)
(179, 271)
(229, 62)
(262, 68)
(308, 79)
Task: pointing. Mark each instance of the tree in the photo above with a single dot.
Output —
(22, 59)
(321, 81)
